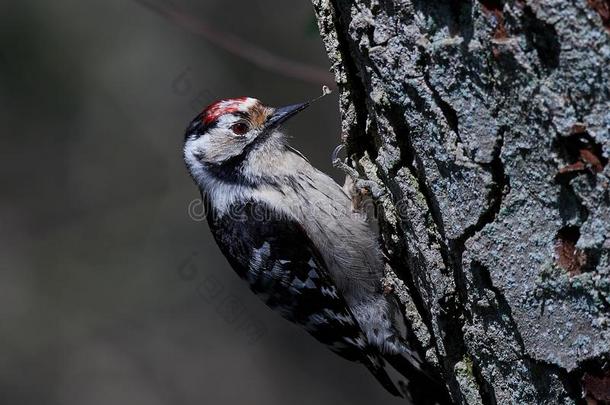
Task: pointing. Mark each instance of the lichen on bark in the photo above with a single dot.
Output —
(487, 122)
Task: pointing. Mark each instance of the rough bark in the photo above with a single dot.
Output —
(487, 122)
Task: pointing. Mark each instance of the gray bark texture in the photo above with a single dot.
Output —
(487, 124)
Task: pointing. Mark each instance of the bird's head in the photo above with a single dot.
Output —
(221, 137)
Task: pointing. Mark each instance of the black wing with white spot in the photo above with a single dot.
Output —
(281, 264)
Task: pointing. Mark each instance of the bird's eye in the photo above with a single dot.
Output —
(239, 129)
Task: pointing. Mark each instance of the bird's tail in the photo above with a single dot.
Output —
(409, 376)
(376, 366)
(422, 386)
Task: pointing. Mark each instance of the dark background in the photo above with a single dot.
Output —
(109, 292)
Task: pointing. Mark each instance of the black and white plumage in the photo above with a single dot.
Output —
(290, 232)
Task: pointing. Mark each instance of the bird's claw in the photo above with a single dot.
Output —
(370, 186)
(359, 184)
(338, 163)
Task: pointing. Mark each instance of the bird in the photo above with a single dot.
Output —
(290, 231)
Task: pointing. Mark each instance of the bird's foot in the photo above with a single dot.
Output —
(359, 184)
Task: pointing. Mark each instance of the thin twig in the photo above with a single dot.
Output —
(237, 46)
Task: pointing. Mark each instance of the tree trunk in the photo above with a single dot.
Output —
(487, 124)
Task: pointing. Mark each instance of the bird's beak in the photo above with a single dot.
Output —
(282, 114)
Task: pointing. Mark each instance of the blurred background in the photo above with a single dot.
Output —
(110, 293)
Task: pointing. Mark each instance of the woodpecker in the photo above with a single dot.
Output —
(290, 232)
